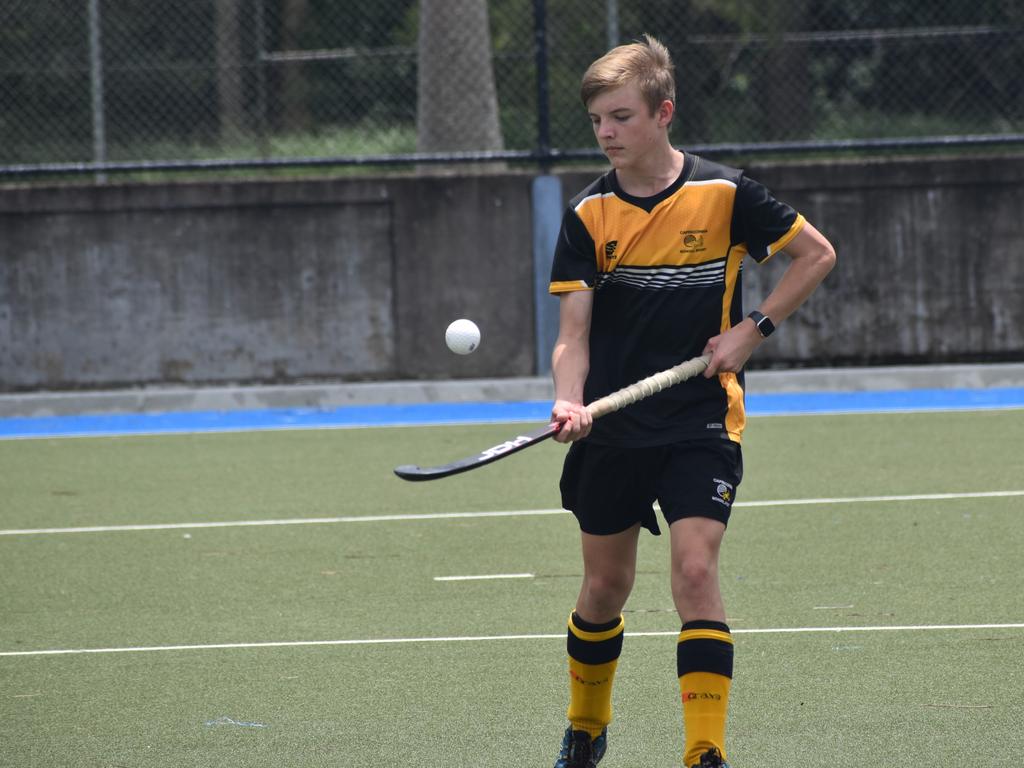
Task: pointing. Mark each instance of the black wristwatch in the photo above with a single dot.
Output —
(764, 324)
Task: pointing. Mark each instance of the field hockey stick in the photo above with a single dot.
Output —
(600, 407)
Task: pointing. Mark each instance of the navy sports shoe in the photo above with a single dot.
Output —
(580, 751)
(711, 759)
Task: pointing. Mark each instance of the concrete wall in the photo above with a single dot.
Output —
(930, 262)
(356, 279)
(262, 282)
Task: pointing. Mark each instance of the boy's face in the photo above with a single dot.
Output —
(624, 126)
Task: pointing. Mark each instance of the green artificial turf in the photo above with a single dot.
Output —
(477, 678)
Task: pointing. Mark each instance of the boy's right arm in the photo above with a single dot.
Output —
(570, 363)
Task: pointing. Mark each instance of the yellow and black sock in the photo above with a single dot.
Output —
(594, 651)
(704, 656)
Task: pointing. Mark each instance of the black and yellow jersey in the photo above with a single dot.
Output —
(665, 271)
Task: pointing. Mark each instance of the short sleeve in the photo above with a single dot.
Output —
(574, 267)
(765, 224)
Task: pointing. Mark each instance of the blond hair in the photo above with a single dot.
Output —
(647, 63)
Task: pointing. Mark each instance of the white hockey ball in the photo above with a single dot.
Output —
(462, 336)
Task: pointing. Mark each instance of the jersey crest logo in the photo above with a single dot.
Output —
(609, 249)
(693, 240)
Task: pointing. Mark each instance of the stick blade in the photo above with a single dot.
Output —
(415, 473)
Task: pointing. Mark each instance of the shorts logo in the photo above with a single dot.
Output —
(609, 249)
(724, 492)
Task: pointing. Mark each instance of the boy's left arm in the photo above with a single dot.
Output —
(811, 259)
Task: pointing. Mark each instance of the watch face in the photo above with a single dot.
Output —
(765, 326)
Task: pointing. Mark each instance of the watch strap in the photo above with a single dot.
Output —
(763, 323)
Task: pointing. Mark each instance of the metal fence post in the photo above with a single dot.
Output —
(612, 13)
(261, 78)
(540, 39)
(546, 203)
(99, 129)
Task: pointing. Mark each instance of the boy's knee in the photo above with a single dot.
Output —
(604, 594)
(692, 576)
(610, 583)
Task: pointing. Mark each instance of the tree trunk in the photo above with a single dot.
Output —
(457, 101)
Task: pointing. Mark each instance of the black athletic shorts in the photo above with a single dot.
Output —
(610, 489)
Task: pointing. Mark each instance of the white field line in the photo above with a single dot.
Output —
(493, 638)
(288, 521)
(485, 577)
(870, 499)
(468, 515)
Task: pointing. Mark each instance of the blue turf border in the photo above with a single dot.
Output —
(774, 404)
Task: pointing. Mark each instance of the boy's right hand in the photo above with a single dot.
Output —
(575, 419)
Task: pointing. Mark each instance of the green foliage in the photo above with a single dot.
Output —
(747, 72)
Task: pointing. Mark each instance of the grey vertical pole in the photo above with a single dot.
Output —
(99, 129)
(546, 196)
(612, 15)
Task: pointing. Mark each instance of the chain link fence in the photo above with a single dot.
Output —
(103, 82)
